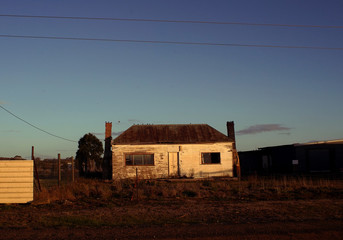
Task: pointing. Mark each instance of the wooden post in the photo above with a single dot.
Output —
(35, 168)
(72, 169)
(137, 183)
(236, 163)
(59, 169)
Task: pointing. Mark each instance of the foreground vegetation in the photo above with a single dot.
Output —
(250, 189)
(254, 208)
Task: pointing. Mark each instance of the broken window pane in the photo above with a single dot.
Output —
(210, 158)
(129, 159)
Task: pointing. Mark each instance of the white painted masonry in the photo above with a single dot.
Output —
(172, 160)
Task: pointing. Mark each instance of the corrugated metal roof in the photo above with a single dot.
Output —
(176, 133)
(337, 141)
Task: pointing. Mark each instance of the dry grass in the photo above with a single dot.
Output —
(170, 209)
(250, 189)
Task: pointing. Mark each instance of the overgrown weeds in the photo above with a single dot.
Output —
(72, 221)
(250, 189)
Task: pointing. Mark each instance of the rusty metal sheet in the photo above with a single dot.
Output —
(175, 133)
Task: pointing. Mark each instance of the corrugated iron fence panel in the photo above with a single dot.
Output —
(16, 181)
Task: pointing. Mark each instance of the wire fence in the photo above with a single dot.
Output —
(52, 172)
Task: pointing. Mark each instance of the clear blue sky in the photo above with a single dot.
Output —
(69, 88)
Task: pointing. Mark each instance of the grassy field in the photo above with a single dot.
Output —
(249, 189)
(253, 208)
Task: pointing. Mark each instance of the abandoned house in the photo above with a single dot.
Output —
(166, 151)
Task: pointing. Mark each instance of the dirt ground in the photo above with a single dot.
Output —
(190, 219)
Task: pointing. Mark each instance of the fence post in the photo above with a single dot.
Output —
(137, 184)
(59, 169)
(72, 169)
(35, 167)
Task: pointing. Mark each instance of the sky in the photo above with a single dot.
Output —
(69, 88)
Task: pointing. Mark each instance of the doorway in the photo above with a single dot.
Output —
(173, 164)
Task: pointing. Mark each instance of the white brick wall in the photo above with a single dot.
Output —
(189, 160)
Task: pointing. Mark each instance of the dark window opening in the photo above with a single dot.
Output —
(210, 158)
(139, 159)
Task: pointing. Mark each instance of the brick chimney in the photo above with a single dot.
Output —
(231, 130)
(107, 163)
(108, 130)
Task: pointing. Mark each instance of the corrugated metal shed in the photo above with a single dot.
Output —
(337, 141)
(311, 157)
(176, 133)
(16, 181)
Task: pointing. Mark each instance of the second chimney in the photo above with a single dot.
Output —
(231, 130)
(108, 130)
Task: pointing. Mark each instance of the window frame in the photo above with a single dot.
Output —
(139, 154)
(210, 154)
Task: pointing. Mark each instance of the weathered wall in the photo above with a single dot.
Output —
(16, 181)
(189, 158)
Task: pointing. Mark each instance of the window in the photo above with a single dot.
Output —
(139, 159)
(210, 158)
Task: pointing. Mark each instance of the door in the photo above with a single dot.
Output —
(173, 164)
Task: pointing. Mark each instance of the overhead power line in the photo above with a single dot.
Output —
(36, 126)
(168, 42)
(171, 21)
